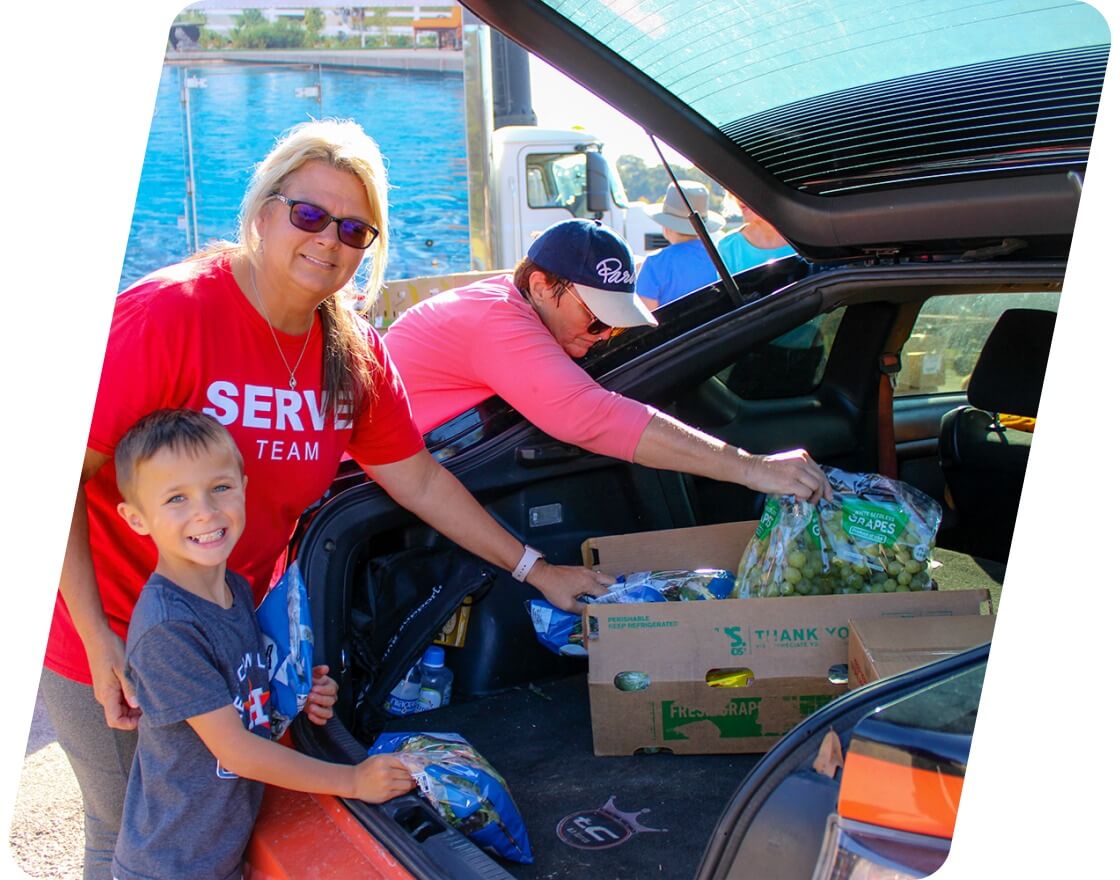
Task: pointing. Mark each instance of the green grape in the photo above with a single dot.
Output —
(893, 568)
(797, 559)
(793, 576)
(803, 587)
(913, 566)
(786, 588)
(904, 578)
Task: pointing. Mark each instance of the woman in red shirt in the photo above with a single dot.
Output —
(258, 334)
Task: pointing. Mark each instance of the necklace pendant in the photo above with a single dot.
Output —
(292, 383)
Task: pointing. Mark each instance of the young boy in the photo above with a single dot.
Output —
(195, 657)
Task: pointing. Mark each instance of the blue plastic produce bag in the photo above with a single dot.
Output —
(470, 794)
(285, 620)
(562, 631)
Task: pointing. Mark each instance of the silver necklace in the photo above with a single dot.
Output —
(306, 339)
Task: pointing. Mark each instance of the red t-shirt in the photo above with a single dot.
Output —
(187, 337)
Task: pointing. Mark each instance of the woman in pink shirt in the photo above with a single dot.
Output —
(516, 336)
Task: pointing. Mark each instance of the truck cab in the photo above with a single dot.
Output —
(542, 176)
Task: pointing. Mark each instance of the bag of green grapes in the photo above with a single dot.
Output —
(876, 535)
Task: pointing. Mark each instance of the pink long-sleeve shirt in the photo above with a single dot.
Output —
(462, 346)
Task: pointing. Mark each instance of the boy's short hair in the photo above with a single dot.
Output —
(181, 430)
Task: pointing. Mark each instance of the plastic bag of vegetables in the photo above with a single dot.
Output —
(466, 791)
(562, 631)
(284, 616)
(876, 535)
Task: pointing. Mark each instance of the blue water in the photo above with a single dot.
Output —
(417, 119)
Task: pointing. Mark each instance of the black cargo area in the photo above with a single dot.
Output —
(538, 737)
(527, 712)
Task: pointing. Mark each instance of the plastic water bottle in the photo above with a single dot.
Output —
(435, 680)
(404, 699)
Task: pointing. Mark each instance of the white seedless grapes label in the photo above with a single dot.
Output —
(875, 523)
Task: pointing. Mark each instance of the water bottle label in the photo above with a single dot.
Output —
(400, 706)
(430, 699)
(404, 699)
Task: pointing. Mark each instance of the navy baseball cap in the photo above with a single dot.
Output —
(598, 261)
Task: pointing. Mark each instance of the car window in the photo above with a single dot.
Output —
(787, 366)
(943, 348)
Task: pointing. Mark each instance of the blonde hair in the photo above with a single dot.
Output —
(342, 144)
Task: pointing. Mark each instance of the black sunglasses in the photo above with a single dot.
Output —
(312, 218)
(596, 326)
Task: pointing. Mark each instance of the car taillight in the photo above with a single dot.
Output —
(858, 851)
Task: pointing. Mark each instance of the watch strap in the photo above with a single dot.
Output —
(521, 570)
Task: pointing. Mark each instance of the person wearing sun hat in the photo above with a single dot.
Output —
(518, 336)
(685, 265)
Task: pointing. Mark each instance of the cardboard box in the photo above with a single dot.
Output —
(787, 647)
(923, 361)
(880, 648)
(922, 371)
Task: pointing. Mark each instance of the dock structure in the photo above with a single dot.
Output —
(417, 60)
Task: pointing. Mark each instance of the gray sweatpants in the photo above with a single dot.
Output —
(101, 758)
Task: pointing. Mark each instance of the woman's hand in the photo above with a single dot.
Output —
(110, 687)
(78, 586)
(787, 473)
(671, 444)
(319, 707)
(562, 585)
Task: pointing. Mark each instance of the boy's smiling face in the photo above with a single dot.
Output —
(192, 503)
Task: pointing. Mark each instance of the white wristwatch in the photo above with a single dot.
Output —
(521, 570)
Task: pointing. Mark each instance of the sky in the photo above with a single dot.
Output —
(80, 88)
(559, 102)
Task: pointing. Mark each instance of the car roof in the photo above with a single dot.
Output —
(888, 126)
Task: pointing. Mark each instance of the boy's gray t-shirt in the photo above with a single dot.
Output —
(185, 816)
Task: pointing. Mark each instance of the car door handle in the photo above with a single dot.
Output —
(547, 453)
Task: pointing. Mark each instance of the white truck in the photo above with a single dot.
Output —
(527, 179)
(541, 176)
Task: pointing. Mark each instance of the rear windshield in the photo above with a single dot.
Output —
(834, 97)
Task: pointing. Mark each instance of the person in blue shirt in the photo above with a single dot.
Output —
(684, 266)
(753, 243)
